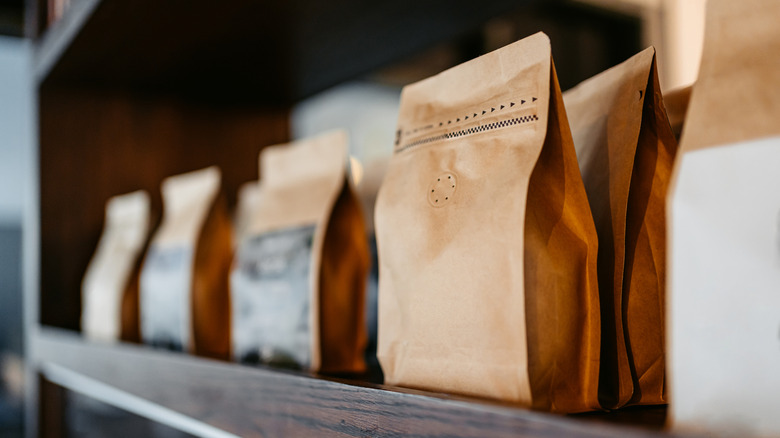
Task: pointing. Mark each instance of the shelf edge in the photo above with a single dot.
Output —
(102, 392)
(56, 40)
(247, 401)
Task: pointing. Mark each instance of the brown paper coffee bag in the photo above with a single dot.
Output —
(676, 103)
(626, 150)
(249, 197)
(184, 293)
(487, 248)
(110, 286)
(724, 231)
(367, 190)
(298, 280)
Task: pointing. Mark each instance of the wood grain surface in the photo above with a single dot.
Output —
(96, 143)
(265, 402)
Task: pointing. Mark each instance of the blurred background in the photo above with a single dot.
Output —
(15, 143)
(588, 36)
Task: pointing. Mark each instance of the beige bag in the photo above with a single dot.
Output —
(626, 150)
(184, 295)
(367, 190)
(724, 230)
(298, 281)
(110, 287)
(249, 198)
(487, 248)
(676, 103)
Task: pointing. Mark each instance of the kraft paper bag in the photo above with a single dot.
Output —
(676, 103)
(298, 280)
(724, 240)
(184, 279)
(249, 196)
(110, 286)
(626, 149)
(367, 190)
(487, 247)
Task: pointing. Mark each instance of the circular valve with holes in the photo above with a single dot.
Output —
(442, 190)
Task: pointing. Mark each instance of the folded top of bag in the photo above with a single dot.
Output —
(300, 181)
(736, 96)
(187, 199)
(470, 96)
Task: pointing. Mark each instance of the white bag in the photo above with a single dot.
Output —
(109, 291)
(724, 231)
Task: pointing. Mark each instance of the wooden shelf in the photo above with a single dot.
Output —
(257, 51)
(53, 43)
(212, 398)
(131, 91)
